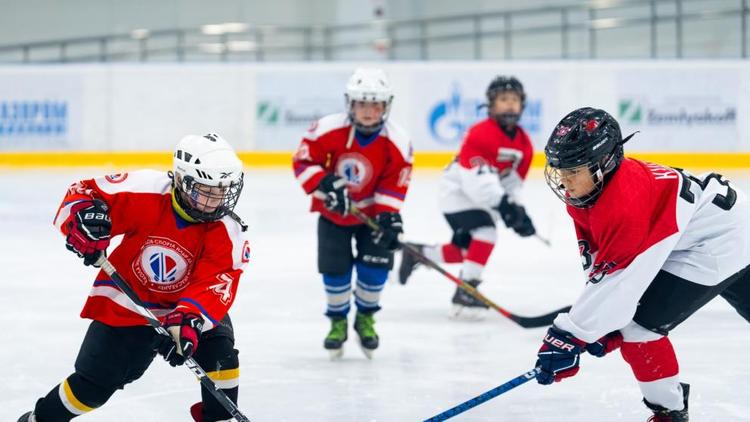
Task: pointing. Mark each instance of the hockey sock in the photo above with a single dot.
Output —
(478, 253)
(448, 253)
(221, 362)
(370, 282)
(73, 397)
(655, 366)
(338, 293)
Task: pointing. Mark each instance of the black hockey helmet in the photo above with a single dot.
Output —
(502, 84)
(588, 137)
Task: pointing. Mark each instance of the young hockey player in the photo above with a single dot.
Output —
(360, 159)
(482, 185)
(182, 252)
(657, 243)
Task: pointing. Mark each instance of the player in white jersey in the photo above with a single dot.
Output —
(657, 243)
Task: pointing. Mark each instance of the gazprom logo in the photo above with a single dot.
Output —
(449, 119)
(20, 118)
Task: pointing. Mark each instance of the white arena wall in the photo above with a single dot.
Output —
(695, 112)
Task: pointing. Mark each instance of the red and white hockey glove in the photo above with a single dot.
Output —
(89, 230)
(185, 329)
(559, 356)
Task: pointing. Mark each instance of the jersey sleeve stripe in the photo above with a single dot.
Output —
(388, 201)
(394, 194)
(308, 173)
(202, 310)
(64, 213)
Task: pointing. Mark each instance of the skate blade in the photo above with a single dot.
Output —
(336, 354)
(466, 313)
(367, 352)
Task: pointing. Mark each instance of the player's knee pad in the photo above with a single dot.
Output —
(218, 357)
(651, 360)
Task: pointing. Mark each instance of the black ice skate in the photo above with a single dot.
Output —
(27, 417)
(364, 325)
(465, 306)
(336, 337)
(662, 414)
(409, 262)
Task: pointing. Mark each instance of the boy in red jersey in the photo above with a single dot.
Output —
(182, 252)
(357, 158)
(481, 186)
(657, 243)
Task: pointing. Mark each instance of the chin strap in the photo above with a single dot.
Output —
(179, 210)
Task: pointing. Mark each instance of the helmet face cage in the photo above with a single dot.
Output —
(585, 138)
(554, 176)
(204, 202)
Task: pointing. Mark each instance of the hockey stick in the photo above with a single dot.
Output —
(491, 394)
(219, 395)
(525, 322)
(543, 239)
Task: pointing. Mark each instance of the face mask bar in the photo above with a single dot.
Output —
(208, 203)
(554, 177)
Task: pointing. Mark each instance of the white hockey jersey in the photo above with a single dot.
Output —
(651, 218)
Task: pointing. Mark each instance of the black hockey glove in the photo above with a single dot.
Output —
(514, 216)
(89, 230)
(337, 195)
(185, 330)
(391, 228)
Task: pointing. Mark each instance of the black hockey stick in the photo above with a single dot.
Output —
(219, 395)
(525, 322)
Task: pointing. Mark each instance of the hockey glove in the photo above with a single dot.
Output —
(336, 194)
(185, 329)
(558, 357)
(514, 216)
(89, 230)
(606, 344)
(391, 228)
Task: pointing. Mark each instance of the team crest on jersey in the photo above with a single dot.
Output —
(116, 178)
(356, 169)
(163, 266)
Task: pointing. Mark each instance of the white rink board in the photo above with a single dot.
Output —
(427, 362)
(678, 106)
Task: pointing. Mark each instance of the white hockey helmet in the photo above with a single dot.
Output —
(207, 177)
(369, 85)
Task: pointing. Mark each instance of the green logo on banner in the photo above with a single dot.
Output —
(630, 111)
(268, 112)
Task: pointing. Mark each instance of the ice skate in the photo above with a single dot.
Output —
(409, 262)
(364, 325)
(334, 341)
(662, 414)
(465, 306)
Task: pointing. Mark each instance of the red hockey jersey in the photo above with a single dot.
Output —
(472, 181)
(168, 262)
(486, 143)
(651, 218)
(377, 171)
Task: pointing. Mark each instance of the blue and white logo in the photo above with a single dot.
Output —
(449, 119)
(20, 118)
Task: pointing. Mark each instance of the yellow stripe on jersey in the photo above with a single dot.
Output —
(225, 378)
(70, 401)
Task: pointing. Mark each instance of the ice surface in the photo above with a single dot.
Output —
(426, 363)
